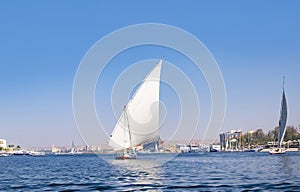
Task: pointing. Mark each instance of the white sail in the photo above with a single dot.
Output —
(283, 119)
(119, 138)
(139, 122)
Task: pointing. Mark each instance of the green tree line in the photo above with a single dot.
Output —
(258, 137)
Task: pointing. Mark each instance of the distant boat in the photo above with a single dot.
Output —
(211, 149)
(21, 152)
(36, 153)
(256, 149)
(4, 154)
(282, 124)
(31, 153)
(139, 121)
(73, 150)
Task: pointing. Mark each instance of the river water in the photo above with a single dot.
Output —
(193, 172)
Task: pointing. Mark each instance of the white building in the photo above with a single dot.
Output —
(3, 143)
(231, 140)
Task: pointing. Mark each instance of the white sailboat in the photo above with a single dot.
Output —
(74, 150)
(282, 124)
(139, 121)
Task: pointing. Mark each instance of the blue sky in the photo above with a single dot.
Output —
(255, 43)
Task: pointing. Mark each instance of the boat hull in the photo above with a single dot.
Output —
(125, 156)
(34, 153)
(21, 153)
(4, 154)
(277, 151)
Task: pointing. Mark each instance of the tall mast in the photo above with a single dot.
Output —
(127, 126)
(283, 82)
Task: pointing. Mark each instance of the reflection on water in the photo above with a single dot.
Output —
(140, 172)
(286, 164)
(143, 172)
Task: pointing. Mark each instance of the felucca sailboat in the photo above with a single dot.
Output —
(282, 124)
(139, 121)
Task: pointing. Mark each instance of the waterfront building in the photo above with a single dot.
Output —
(192, 148)
(3, 143)
(54, 149)
(231, 140)
(95, 148)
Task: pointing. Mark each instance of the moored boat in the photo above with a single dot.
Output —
(21, 152)
(36, 153)
(277, 151)
(4, 154)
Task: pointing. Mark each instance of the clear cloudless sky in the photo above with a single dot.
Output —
(42, 43)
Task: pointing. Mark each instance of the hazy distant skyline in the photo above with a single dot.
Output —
(42, 43)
